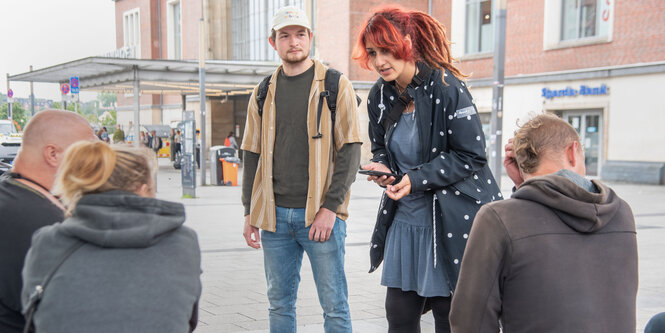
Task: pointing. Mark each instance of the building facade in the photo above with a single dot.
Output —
(599, 64)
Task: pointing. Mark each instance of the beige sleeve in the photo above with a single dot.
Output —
(251, 140)
(346, 117)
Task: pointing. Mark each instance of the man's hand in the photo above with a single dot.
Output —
(383, 180)
(510, 164)
(250, 231)
(399, 190)
(321, 228)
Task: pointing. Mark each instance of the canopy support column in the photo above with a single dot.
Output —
(137, 107)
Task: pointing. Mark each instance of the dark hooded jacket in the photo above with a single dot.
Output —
(137, 271)
(553, 258)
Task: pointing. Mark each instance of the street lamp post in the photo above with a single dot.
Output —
(496, 124)
(202, 93)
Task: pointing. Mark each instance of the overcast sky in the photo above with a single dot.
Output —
(44, 33)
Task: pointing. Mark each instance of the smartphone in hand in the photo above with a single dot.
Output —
(377, 173)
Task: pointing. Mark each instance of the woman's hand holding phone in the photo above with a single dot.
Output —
(380, 180)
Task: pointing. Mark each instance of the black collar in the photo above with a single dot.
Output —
(17, 175)
(403, 100)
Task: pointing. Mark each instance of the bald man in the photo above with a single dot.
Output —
(26, 203)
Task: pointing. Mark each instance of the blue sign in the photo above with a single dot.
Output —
(74, 83)
(570, 92)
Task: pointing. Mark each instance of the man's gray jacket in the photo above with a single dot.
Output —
(553, 258)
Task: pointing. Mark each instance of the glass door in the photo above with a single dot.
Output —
(588, 125)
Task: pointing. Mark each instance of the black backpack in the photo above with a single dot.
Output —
(331, 85)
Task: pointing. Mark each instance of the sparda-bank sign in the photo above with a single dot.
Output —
(584, 90)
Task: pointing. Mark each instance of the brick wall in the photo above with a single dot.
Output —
(360, 11)
(148, 28)
(331, 33)
(638, 36)
(191, 13)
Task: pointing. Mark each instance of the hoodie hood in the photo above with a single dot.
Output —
(118, 219)
(583, 211)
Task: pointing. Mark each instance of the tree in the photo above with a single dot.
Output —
(18, 114)
(91, 117)
(107, 99)
(58, 106)
(109, 119)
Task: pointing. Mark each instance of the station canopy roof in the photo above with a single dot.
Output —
(155, 76)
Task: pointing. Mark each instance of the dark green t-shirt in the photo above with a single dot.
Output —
(291, 152)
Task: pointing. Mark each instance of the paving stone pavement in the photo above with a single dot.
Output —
(234, 287)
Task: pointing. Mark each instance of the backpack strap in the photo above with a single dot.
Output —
(37, 294)
(262, 93)
(331, 87)
(331, 84)
(405, 98)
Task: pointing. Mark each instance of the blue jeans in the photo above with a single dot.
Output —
(282, 253)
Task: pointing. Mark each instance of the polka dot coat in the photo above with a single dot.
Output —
(453, 169)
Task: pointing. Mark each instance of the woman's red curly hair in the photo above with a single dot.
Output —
(386, 29)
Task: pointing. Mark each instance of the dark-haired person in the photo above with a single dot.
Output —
(230, 141)
(559, 256)
(437, 146)
(136, 268)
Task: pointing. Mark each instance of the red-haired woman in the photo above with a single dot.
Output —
(425, 128)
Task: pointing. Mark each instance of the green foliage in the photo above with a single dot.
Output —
(86, 109)
(107, 99)
(18, 114)
(91, 118)
(110, 120)
(58, 106)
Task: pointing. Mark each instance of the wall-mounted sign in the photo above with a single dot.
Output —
(584, 90)
(127, 52)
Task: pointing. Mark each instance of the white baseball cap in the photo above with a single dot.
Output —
(289, 15)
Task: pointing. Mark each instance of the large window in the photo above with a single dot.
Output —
(251, 27)
(571, 23)
(174, 32)
(131, 27)
(581, 19)
(479, 31)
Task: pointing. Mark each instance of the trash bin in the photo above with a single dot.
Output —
(215, 166)
(230, 170)
(224, 165)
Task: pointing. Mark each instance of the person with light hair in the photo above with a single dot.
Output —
(121, 261)
(559, 256)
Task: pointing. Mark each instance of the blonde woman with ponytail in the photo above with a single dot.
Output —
(134, 267)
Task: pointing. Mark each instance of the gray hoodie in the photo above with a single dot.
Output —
(553, 258)
(138, 270)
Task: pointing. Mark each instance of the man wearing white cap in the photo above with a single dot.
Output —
(300, 160)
